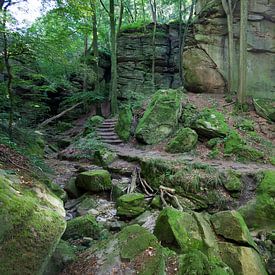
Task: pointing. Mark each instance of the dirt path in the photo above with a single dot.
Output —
(127, 151)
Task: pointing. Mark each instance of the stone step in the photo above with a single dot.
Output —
(117, 141)
(113, 137)
(110, 120)
(106, 134)
(106, 127)
(108, 123)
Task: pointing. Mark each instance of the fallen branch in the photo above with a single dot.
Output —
(49, 120)
(133, 185)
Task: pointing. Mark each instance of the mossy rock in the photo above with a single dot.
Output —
(210, 124)
(80, 227)
(233, 182)
(86, 204)
(57, 190)
(188, 114)
(134, 241)
(195, 262)
(265, 108)
(259, 213)
(178, 230)
(71, 189)
(184, 141)
(32, 223)
(131, 205)
(63, 255)
(241, 259)
(95, 180)
(103, 157)
(161, 116)
(124, 123)
(231, 226)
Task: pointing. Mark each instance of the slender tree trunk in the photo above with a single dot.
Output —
(95, 46)
(85, 75)
(243, 53)
(135, 10)
(184, 36)
(143, 14)
(113, 95)
(228, 8)
(9, 72)
(180, 38)
(154, 16)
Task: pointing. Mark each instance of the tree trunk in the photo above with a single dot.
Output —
(154, 16)
(85, 74)
(180, 38)
(9, 72)
(135, 10)
(143, 14)
(228, 8)
(95, 46)
(243, 53)
(113, 95)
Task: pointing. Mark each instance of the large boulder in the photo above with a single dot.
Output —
(80, 227)
(161, 116)
(259, 213)
(124, 123)
(184, 141)
(31, 225)
(242, 260)
(134, 250)
(95, 180)
(178, 230)
(231, 226)
(131, 205)
(265, 108)
(200, 72)
(210, 123)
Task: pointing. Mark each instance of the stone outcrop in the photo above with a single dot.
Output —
(211, 35)
(135, 53)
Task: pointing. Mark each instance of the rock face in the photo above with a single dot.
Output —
(161, 116)
(265, 108)
(200, 72)
(211, 36)
(32, 223)
(135, 59)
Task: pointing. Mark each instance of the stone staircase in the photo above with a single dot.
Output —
(106, 132)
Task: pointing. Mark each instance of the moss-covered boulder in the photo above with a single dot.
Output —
(124, 123)
(241, 259)
(31, 225)
(71, 189)
(161, 116)
(259, 213)
(184, 141)
(233, 182)
(80, 227)
(178, 230)
(265, 108)
(196, 262)
(134, 250)
(210, 123)
(95, 180)
(200, 72)
(131, 205)
(63, 255)
(231, 226)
